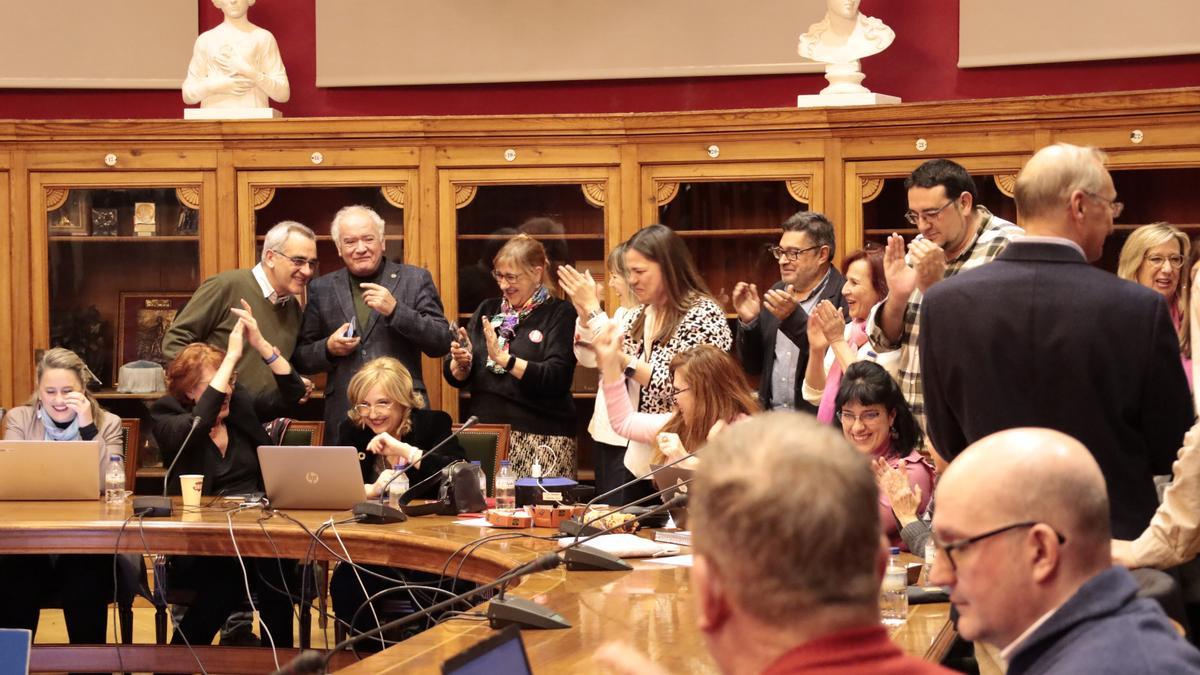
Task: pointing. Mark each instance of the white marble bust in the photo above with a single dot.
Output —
(845, 35)
(236, 64)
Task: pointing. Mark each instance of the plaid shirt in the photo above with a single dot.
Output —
(993, 235)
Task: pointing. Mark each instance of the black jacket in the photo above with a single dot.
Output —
(429, 427)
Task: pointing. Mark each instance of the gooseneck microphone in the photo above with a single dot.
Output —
(378, 512)
(307, 662)
(160, 506)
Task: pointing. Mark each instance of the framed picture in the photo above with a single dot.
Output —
(104, 222)
(142, 321)
(71, 217)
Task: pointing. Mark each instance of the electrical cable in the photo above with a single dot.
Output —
(250, 596)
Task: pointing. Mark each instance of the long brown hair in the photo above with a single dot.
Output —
(682, 280)
(719, 388)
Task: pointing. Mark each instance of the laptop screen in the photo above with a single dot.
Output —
(503, 652)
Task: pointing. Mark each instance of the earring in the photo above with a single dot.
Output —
(895, 434)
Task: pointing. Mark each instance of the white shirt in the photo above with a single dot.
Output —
(264, 284)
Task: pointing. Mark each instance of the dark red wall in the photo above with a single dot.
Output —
(919, 66)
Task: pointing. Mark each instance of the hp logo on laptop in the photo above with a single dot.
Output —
(312, 477)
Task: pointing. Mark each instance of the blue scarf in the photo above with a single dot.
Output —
(54, 433)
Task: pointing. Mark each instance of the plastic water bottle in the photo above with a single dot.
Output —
(893, 595)
(114, 481)
(398, 487)
(506, 486)
(930, 554)
(482, 478)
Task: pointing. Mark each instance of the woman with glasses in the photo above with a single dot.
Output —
(877, 421)
(709, 390)
(515, 357)
(1153, 256)
(62, 409)
(222, 424)
(389, 425)
(834, 344)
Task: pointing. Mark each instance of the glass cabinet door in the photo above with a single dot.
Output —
(1151, 196)
(568, 213)
(121, 256)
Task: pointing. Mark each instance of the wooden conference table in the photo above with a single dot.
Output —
(649, 606)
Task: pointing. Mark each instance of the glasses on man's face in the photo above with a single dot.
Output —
(1113, 205)
(960, 545)
(299, 262)
(1174, 260)
(866, 416)
(378, 407)
(792, 254)
(915, 217)
(508, 278)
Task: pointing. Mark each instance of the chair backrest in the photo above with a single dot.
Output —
(130, 445)
(304, 433)
(486, 444)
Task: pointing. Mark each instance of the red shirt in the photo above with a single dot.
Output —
(857, 650)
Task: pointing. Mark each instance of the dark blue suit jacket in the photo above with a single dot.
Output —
(1038, 337)
(418, 324)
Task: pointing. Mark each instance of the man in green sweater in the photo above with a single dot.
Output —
(289, 261)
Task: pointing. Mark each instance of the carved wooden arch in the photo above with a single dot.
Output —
(464, 195)
(665, 192)
(56, 197)
(800, 189)
(1006, 182)
(396, 195)
(870, 188)
(595, 194)
(189, 196)
(261, 196)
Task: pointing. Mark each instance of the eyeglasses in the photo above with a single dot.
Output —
(299, 262)
(1115, 206)
(915, 217)
(866, 416)
(380, 407)
(675, 396)
(1174, 260)
(962, 544)
(792, 254)
(507, 278)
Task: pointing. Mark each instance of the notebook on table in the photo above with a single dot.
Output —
(311, 477)
(50, 470)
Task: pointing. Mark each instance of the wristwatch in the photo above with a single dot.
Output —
(631, 368)
(595, 313)
(512, 361)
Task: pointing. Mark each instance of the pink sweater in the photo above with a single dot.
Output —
(636, 426)
(919, 473)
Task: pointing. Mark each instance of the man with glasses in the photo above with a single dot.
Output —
(956, 233)
(1022, 531)
(289, 261)
(772, 337)
(372, 307)
(1041, 338)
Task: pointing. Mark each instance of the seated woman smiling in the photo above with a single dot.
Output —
(877, 421)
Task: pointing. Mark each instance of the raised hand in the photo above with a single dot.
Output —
(581, 288)
(498, 355)
(250, 324)
(817, 342)
(78, 401)
(901, 279)
(929, 263)
(606, 343)
(237, 341)
(378, 298)
(829, 320)
(460, 355)
(905, 498)
(746, 301)
(781, 303)
(670, 445)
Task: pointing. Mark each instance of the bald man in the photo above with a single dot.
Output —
(1023, 545)
(1041, 338)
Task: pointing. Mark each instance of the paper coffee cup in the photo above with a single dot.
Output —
(191, 484)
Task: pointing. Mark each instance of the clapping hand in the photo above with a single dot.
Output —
(905, 498)
(581, 288)
(237, 341)
(606, 343)
(670, 445)
(901, 279)
(746, 301)
(250, 325)
(829, 321)
(929, 263)
(497, 354)
(780, 302)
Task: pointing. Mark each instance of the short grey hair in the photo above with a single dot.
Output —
(818, 228)
(278, 235)
(783, 483)
(1047, 180)
(335, 229)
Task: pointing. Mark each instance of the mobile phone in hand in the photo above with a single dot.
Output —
(352, 329)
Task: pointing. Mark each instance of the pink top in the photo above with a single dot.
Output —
(636, 426)
(919, 473)
(1177, 319)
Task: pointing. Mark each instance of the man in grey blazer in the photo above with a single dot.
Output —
(772, 338)
(371, 308)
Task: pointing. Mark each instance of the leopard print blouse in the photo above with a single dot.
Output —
(704, 323)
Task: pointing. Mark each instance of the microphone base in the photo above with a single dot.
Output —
(588, 559)
(375, 513)
(575, 528)
(152, 507)
(523, 613)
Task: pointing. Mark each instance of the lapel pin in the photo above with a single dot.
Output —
(535, 336)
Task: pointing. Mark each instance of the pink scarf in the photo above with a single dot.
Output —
(858, 337)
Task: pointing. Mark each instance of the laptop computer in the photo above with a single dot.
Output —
(15, 644)
(311, 477)
(47, 470)
(672, 477)
(503, 652)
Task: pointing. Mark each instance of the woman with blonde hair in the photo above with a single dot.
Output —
(1154, 256)
(62, 409)
(515, 357)
(388, 424)
(710, 391)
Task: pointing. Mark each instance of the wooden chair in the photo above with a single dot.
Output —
(488, 445)
(304, 433)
